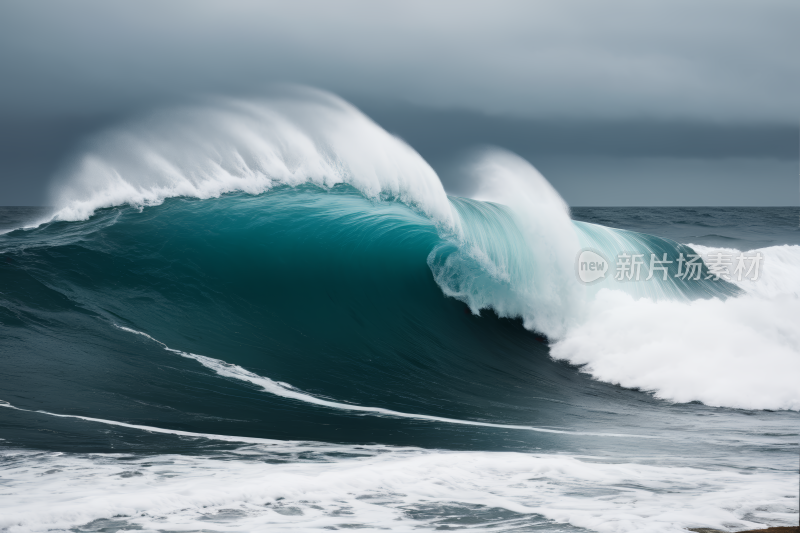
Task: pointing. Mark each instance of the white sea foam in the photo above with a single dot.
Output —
(300, 136)
(742, 352)
(252, 489)
(779, 274)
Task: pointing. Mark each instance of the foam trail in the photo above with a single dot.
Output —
(287, 391)
(149, 429)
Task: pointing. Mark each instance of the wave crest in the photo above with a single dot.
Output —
(301, 136)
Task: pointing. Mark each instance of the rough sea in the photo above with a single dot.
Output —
(269, 315)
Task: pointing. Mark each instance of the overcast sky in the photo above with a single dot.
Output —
(696, 80)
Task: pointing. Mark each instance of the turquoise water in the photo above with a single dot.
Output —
(310, 332)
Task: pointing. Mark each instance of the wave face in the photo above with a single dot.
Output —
(281, 290)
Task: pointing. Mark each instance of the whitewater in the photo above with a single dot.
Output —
(268, 314)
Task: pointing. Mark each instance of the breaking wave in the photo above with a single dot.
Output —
(510, 249)
(382, 354)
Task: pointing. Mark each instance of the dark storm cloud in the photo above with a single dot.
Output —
(722, 60)
(440, 132)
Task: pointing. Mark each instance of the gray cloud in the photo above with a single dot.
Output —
(615, 162)
(440, 132)
(593, 93)
(713, 60)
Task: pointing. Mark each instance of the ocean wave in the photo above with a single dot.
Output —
(511, 249)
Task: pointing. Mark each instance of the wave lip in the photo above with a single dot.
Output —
(300, 136)
(514, 249)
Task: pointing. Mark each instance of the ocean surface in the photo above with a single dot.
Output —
(269, 315)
